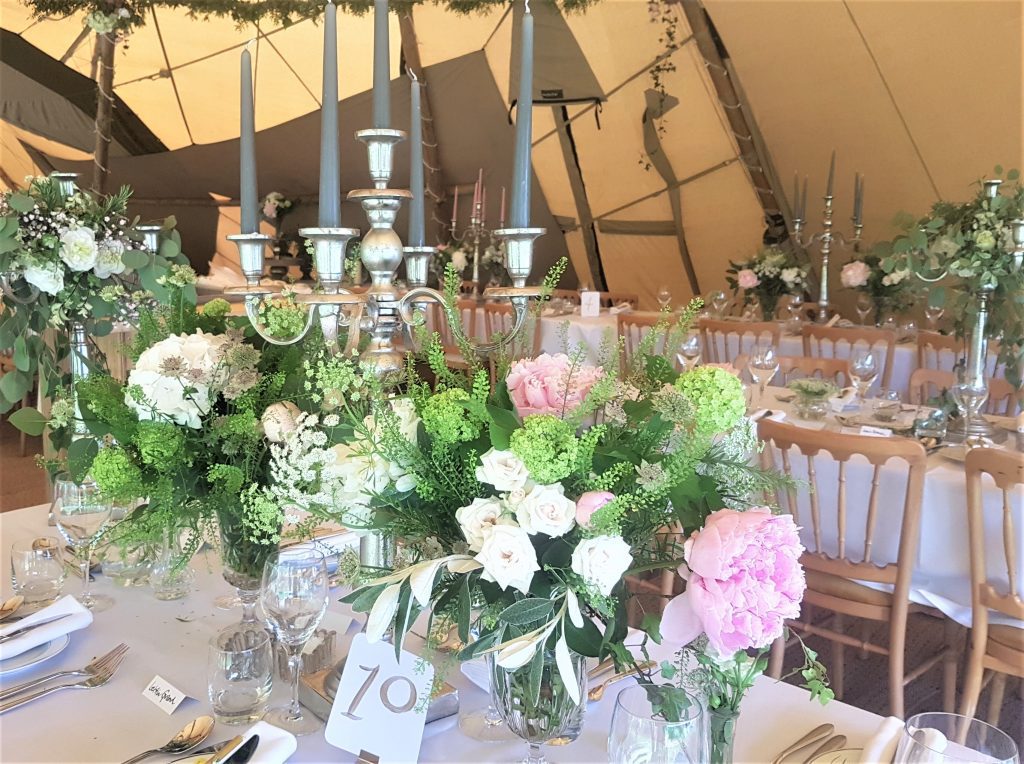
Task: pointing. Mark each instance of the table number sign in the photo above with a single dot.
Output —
(590, 304)
(163, 694)
(381, 705)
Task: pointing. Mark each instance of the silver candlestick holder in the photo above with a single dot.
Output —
(825, 240)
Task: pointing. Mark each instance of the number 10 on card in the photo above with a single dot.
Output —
(381, 705)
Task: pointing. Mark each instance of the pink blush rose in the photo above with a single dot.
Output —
(855, 274)
(549, 384)
(589, 503)
(270, 210)
(744, 580)
(747, 279)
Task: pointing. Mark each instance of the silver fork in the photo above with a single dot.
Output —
(97, 665)
(98, 679)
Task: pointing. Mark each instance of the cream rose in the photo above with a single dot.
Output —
(279, 420)
(545, 509)
(109, 259)
(508, 557)
(47, 278)
(476, 519)
(502, 469)
(78, 248)
(459, 260)
(601, 561)
(407, 419)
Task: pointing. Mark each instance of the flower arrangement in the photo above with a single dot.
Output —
(812, 387)
(970, 245)
(70, 257)
(274, 207)
(770, 274)
(460, 256)
(890, 291)
(540, 493)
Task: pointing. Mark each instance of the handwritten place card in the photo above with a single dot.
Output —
(875, 432)
(381, 705)
(590, 304)
(163, 694)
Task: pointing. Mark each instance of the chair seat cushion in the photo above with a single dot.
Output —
(843, 588)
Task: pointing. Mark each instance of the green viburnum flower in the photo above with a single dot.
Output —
(547, 446)
(448, 421)
(217, 308)
(261, 516)
(717, 397)
(159, 444)
(116, 474)
(178, 276)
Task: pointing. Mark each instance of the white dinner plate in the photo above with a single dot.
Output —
(37, 654)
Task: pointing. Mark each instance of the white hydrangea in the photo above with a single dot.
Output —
(46, 277)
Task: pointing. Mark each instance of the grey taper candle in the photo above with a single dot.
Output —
(521, 176)
(247, 152)
(329, 213)
(381, 66)
(416, 223)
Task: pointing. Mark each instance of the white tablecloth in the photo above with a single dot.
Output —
(114, 722)
(942, 572)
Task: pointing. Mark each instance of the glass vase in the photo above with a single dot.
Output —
(722, 734)
(769, 306)
(639, 733)
(552, 717)
(171, 576)
(243, 562)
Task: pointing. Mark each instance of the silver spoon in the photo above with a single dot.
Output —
(10, 605)
(191, 735)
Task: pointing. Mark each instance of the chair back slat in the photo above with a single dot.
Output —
(724, 340)
(991, 590)
(926, 384)
(938, 351)
(501, 318)
(466, 310)
(836, 370)
(839, 342)
(835, 514)
(633, 327)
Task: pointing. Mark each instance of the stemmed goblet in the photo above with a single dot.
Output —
(932, 314)
(863, 370)
(763, 365)
(664, 297)
(294, 598)
(689, 353)
(719, 301)
(82, 515)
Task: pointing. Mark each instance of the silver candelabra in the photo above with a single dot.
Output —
(825, 239)
(477, 236)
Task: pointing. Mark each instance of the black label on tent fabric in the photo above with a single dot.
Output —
(551, 95)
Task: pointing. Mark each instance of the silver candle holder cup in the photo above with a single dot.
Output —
(380, 152)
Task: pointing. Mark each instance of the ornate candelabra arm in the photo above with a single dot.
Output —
(9, 293)
(252, 312)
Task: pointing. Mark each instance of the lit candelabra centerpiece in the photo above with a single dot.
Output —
(828, 239)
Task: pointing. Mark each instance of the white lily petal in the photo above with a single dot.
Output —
(573, 606)
(517, 653)
(463, 564)
(382, 613)
(422, 581)
(564, 662)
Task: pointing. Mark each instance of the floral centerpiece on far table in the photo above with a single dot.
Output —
(532, 499)
(767, 277)
(69, 258)
(891, 291)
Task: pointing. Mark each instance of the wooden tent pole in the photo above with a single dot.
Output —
(434, 176)
(106, 45)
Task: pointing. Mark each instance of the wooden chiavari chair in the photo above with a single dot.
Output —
(835, 370)
(927, 384)
(724, 340)
(839, 342)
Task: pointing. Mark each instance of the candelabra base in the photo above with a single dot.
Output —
(961, 429)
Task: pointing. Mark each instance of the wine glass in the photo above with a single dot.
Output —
(294, 597)
(763, 365)
(796, 304)
(719, 301)
(932, 314)
(864, 307)
(640, 734)
(951, 738)
(82, 515)
(689, 353)
(752, 310)
(863, 370)
(664, 297)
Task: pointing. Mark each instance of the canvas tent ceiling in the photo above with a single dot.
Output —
(921, 96)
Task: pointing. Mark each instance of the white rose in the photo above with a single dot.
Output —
(164, 398)
(459, 260)
(545, 509)
(109, 260)
(279, 421)
(476, 519)
(78, 248)
(502, 469)
(47, 278)
(601, 561)
(790, 275)
(508, 557)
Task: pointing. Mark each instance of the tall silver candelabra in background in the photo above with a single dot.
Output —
(477, 236)
(825, 239)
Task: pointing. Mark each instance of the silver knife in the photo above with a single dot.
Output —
(25, 629)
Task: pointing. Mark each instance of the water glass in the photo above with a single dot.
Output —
(933, 313)
(863, 370)
(82, 515)
(37, 569)
(639, 735)
(664, 297)
(718, 301)
(762, 366)
(294, 598)
(887, 405)
(939, 738)
(240, 675)
(689, 353)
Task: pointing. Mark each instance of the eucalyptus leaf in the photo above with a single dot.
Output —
(28, 420)
(527, 611)
(135, 259)
(21, 202)
(22, 360)
(14, 385)
(81, 452)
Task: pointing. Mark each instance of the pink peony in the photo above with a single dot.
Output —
(269, 210)
(747, 279)
(589, 503)
(744, 579)
(550, 384)
(855, 274)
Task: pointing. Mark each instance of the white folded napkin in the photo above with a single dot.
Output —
(275, 745)
(846, 399)
(79, 618)
(622, 307)
(774, 415)
(882, 746)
